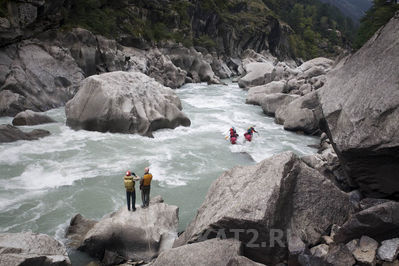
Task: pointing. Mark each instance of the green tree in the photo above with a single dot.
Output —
(379, 14)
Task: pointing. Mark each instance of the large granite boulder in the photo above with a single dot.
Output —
(279, 193)
(210, 252)
(37, 77)
(139, 235)
(360, 103)
(302, 114)
(9, 133)
(198, 69)
(161, 68)
(125, 102)
(256, 74)
(319, 63)
(256, 94)
(380, 222)
(29, 118)
(32, 249)
(270, 103)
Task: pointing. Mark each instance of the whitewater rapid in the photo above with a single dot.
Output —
(44, 183)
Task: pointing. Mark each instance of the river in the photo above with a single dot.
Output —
(44, 183)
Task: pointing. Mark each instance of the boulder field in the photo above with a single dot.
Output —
(355, 101)
(125, 102)
(280, 193)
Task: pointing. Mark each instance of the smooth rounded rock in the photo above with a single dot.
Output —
(29, 118)
(124, 102)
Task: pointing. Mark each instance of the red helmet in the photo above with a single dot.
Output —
(128, 173)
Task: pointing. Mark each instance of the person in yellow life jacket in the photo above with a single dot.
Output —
(145, 185)
(129, 181)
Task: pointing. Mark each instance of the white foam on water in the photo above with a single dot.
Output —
(69, 160)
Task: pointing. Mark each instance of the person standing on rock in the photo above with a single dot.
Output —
(145, 185)
(129, 181)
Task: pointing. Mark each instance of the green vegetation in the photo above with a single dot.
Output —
(318, 28)
(380, 13)
(114, 17)
(3, 8)
(205, 41)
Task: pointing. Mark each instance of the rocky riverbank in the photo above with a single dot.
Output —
(336, 207)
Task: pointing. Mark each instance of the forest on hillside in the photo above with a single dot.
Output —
(318, 29)
(377, 16)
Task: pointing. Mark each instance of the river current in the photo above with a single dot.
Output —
(44, 183)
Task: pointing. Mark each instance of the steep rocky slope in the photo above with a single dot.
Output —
(360, 103)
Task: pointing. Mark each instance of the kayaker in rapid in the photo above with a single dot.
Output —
(250, 131)
(233, 135)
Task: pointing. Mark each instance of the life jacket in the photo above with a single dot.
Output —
(129, 183)
(233, 140)
(233, 133)
(248, 136)
(147, 179)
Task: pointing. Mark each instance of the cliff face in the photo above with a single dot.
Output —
(26, 18)
(360, 103)
(235, 26)
(226, 27)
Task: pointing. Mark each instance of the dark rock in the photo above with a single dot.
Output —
(32, 249)
(28, 18)
(139, 235)
(371, 202)
(241, 260)
(112, 258)
(380, 222)
(211, 252)
(40, 77)
(29, 117)
(125, 102)
(83, 47)
(363, 122)
(282, 193)
(9, 133)
(339, 255)
(78, 227)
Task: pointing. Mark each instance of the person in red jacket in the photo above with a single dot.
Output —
(233, 135)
